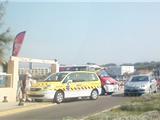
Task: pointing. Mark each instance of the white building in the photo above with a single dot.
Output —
(35, 71)
(127, 69)
(120, 70)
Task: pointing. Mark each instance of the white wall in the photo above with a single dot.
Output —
(1, 68)
(9, 92)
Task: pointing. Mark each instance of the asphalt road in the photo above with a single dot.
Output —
(74, 109)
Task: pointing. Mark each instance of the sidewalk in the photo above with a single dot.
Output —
(9, 108)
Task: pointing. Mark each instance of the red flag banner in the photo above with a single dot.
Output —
(18, 43)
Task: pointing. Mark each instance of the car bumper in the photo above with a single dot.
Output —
(111, 88)
(135, 91)
(42, 95)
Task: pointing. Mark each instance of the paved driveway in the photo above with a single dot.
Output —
(75, 109)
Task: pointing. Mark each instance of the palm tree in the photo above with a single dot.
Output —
(5, 38)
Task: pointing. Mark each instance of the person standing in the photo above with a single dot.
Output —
(25, 86)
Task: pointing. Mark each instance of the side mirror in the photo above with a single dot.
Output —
(69, 81)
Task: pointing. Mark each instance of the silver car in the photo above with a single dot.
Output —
(140, 84)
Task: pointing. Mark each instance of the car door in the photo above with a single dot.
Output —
(86, 82)
(80, 85)
(69, 85)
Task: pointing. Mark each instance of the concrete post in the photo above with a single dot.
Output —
(12, 83)
(54, 68)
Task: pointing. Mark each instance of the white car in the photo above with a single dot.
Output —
(140, 84)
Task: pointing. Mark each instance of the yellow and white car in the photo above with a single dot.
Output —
(62, 85)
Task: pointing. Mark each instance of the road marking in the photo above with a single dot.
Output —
(25, 108)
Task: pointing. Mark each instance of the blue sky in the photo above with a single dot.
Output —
(81, 32)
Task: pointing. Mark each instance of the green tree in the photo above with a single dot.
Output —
(109, 65)
(5, 37)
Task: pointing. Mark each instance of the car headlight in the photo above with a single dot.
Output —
(143, 86)
(126, 86)
(107, 82)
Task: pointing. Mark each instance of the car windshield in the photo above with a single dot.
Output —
(57, 77)
(139, 79)
(102, 73)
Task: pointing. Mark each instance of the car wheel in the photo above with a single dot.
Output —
(94, 95)
(110, 93)
(125, 94)
(103, 91)
(59, 96)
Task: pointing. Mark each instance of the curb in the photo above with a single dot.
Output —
(25, 108)
(107, 110)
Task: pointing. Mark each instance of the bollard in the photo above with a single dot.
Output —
(21, 102)
(5, 99)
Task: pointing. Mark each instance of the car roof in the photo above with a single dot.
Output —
(141, 75)
(76, 72)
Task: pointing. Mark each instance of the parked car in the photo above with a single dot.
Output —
(109, 85)
(63, 85)
(140, 84)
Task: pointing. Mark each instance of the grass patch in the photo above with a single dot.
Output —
(143, 104)
(151, 115)
(146, 107)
